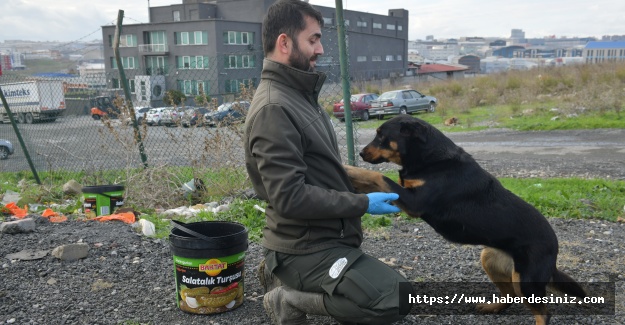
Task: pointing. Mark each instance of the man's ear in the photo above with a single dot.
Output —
(282, 44)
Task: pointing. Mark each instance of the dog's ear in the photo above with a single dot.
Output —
(406, 129)
(412, 129)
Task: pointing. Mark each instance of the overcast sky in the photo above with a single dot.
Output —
(72, 20)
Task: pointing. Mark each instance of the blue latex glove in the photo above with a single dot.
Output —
(379, 203)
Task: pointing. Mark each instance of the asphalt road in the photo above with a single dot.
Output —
(563, 153)
(81, 143)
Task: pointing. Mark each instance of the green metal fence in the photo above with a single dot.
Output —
(105, 149)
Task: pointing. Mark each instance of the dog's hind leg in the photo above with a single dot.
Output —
(531, 281)
(499, 267)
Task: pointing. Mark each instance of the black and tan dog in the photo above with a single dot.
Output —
(443, 185)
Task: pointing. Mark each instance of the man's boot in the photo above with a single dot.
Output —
(289, 306)
(267, 279)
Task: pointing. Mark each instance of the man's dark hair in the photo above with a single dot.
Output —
(286, 16)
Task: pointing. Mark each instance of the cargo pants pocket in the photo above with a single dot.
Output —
(338, 269)
(370, 284)
(288, 275)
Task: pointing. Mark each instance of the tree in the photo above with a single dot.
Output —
(174, 98)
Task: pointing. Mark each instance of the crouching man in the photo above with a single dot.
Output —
(313, 262)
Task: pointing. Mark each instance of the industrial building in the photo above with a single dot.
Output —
(215, 47)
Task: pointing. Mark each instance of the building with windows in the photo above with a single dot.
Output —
(597, 52)
(215, 47)
(434, 50)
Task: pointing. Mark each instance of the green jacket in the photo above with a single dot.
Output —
(292, 158)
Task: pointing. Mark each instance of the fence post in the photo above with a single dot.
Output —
(19, 137)
(349, 127)
(122, 76)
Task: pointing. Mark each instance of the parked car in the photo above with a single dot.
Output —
(194, 117)
(172, 116)
(402, 102)
(140, 114)
(6, 149)
(360, 104)
(154, 116)
(227, 113)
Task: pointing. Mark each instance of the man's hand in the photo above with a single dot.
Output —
(379, 203)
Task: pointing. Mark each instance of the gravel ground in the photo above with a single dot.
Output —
(128, 279)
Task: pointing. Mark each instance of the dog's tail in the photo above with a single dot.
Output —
(564, 283)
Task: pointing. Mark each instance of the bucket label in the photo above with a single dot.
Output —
(209, 285)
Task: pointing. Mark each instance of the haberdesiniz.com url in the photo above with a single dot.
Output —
(461, 298)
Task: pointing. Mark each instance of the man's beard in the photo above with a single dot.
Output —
(298, 60)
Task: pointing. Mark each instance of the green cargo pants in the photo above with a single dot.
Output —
(358, 288)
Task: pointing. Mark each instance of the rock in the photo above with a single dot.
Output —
(71, 252)
(10, 196)
(147, 227)
(72, 187)
(19, 226)
(221, 208)
(28, 255)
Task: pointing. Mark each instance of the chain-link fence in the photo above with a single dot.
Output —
(81, 127)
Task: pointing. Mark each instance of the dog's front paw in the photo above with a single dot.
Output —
(364, 180)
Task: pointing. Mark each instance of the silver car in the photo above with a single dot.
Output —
(6, 149)
(402, 102)
(172, 116)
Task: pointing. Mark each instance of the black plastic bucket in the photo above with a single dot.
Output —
(209, 264)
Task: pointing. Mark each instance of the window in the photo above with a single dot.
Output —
(346, 22)
(192, 62)
(155, 65)
(128, 62)
(377, 26)
(193, 87)
(327, 21)
(361, 24)
(389, 58)
(234, 85)
(201, 62)
(155, 41)
(184, 38)
(239, 61)
(200, 38)
(376, 58)
(361, 58)
(117, 85)
(191, 38)
(399, 58)
(238, 38)
(399, 27)
(390, 26)
(176, 15)
(128, 40)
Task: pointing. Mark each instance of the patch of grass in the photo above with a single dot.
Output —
(571, 197)
(568, 197)
(241, 211)
(558, 121)
(375, 222)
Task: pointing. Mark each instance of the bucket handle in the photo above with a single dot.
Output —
(180, 225)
